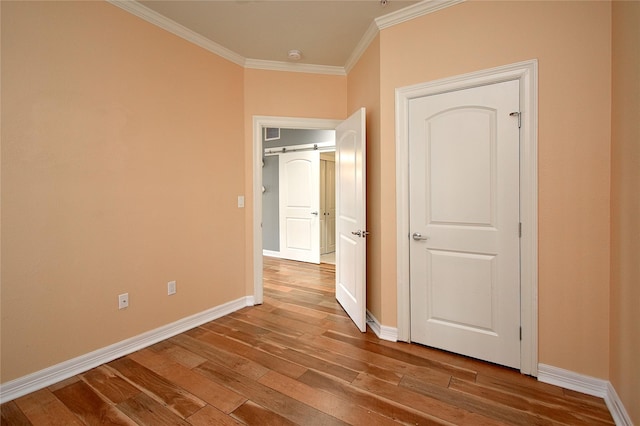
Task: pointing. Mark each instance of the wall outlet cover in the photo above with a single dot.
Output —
(123, 301)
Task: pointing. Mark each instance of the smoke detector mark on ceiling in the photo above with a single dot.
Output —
(294, 55)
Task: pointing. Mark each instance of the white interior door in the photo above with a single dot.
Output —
(299, 175)
(464, 221)
(351, 217)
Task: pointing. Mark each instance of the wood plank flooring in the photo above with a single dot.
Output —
(297, 359)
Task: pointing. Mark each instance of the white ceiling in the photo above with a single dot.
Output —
(327, 32)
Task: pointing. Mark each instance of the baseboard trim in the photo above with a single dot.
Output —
(56, 373)
(571, 380)
(616, 408)
(588, 385)
(271, 253)
(382, 331)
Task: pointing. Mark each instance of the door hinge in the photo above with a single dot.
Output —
(520, 229)
(519, 115)
(520, 333)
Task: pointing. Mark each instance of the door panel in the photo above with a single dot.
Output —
(461, 156)
(458, 303)
(464, 192)
(351, 218)
(299, 206)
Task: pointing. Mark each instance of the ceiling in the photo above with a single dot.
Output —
(326, 32)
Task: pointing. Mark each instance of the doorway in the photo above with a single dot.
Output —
(350, 166)
(260, 123)
(525, 73)
(297, 191)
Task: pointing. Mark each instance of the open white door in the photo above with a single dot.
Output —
(299, 206)
(351, 217)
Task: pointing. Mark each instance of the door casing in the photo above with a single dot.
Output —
(527, 74)
(259, 122)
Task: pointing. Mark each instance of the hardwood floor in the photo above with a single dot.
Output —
(297, 359)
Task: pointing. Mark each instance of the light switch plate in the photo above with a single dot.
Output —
(240, 201)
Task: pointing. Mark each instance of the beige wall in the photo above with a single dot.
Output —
(572, 42)
(284, 94)
(625, 206)
(122, 157)
(363, 90)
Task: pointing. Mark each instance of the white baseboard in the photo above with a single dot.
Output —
(382, 331)
(271, 253)
(616, 408)
(588, 385)
(56, 373)
(571, 380)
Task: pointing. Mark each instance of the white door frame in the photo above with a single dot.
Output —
(259, 122)
(527, 74)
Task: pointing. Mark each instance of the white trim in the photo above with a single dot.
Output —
(258, 123)
(527, 73)
(414, 11)
(571, 380)
(588, 385)
(620, 415)
(271, 253)
(383, 332)
(394, 18)
(361, 47)
(410, 12)
(260, 64)
(181, 31)
(43, 378)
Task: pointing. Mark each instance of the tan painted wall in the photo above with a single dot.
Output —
(572, 42)
(122, 157)
(363, 90)
(284, 94)
(625, 206)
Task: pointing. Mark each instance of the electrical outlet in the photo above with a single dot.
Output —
(171, 288)
(123, 301)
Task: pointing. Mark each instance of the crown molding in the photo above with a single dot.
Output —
(410, 12)
(362, 46)
(414, 11)
(165, 23)
(260, 64)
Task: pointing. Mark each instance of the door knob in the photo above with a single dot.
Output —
(314, 213)
(418, 236)
(358, 233)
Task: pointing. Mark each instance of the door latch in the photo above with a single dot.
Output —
(360, 233)
(519, 115)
